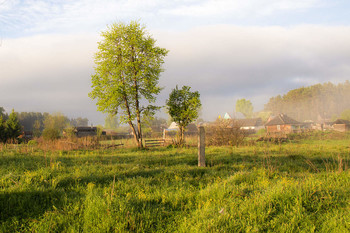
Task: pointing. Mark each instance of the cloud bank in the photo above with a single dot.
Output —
(52, 72)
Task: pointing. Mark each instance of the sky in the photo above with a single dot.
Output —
(225, 49)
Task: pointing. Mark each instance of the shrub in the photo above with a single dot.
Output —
(32, 143)
(225, 132)
(51, 134)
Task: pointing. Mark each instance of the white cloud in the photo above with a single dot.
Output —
(41, 16)
(222, 62)
(239, 8)
(227, 62)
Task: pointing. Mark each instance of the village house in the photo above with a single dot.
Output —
(173, 129)
(341, 125)
(281, 125)
(251, 125)
(84, 131)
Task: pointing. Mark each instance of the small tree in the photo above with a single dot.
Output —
(128, 65)
(245, 107)
(3, 136)
(183, 107)
(37, 128)
(54, 125)
(13, 127)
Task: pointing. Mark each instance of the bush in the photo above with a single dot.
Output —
(51, 134)
(32, 143)
(225, 133)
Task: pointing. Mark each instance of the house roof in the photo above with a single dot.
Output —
(341, 122)
(250, 122)
(227, 116)
(191, 127)
(282, 119)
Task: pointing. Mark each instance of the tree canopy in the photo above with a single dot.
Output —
(128, 66)
(316, 102)
(183, 106)
(245, 107)
(13, 127)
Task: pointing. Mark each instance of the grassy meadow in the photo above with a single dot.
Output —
(299, 186)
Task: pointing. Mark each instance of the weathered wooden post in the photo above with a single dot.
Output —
(201, 146)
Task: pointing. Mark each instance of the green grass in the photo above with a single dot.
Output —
(293, 187)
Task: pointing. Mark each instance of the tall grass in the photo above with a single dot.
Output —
(292, 187)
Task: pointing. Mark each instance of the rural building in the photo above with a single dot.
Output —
(341, 125)
(191, 129)
(281, 125)
(250, 125)
(85, 131)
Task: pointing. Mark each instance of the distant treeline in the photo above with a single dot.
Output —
(36, 121)
(317, 102)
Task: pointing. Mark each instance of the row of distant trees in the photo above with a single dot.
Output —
(325, 101)
(40, 124)
(316, 102)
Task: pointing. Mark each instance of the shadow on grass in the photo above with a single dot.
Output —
(107, 179)
(29, 204)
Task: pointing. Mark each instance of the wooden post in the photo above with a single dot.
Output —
(201, 146)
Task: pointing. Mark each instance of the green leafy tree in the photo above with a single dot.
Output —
(153, 125)
(128, 65)
(245, 107)
(111, 122)
(79, 122)
(54, 125)
(13, 127)
(183, 106)
(37, 128)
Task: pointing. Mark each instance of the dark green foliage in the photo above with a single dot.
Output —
(28, 119)
(183, 106)
(3, 136)
(320, 101)
(13, 127)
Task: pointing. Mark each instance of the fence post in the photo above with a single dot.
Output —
(201, 146)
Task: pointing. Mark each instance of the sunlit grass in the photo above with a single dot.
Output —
(290, 187)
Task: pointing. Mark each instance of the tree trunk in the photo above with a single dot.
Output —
(182, 129)
(137, 103)
(138, 116)
(136, 136)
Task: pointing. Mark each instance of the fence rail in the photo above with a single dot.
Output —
(154, 142)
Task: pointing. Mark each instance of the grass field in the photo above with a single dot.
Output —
(293, 187)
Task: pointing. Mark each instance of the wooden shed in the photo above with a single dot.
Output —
(341, 125)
